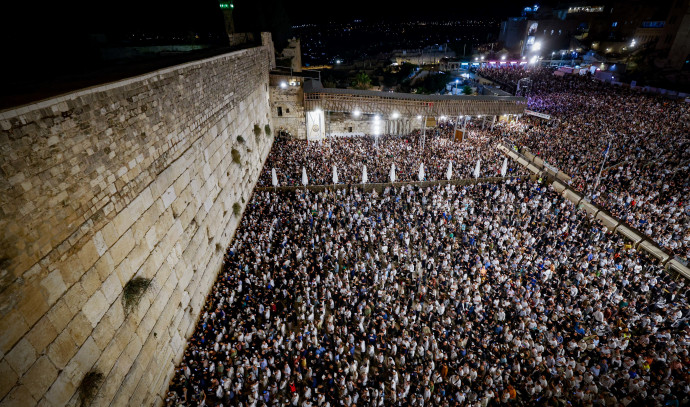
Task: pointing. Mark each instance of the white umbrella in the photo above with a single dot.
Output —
(305, 180)
(364, 175)
(504, 169)
(274, 177)
(335, 175)
(476, 169)
(392, 173)
(421, 172)
(449, 171)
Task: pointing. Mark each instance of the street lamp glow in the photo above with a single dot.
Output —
(632, 44)
(536, 46)
(283, 85)
(356, 113)
(419, 117)
(376, 118)
(476, 59)
(395, 115)
(503, 58)
(482, 57)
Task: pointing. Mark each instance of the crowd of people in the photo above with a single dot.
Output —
(641, 140)
(479, 295)
(350, 154)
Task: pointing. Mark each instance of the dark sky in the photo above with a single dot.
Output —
(38, 36)
(313, 10)
(54, 19)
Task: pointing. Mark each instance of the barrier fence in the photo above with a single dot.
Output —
(379, 187)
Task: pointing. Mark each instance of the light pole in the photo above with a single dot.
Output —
(456, 86)
(606, 155)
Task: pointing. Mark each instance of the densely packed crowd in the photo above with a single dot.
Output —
(645, 180)
(446, 296)
(350, 154)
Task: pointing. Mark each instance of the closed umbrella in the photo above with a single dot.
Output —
(364, 175)
(449, 171)
(476, 169)
(421, 172)
(305, 180)
(392, 173)
(504, 169)
(274, 177)
(335, 175)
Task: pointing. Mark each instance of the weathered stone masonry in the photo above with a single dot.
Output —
(133, 178)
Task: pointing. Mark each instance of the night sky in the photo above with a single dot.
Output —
(54, 20)
(52, 42)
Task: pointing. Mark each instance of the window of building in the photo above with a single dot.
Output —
(653, 24)
(280, 111)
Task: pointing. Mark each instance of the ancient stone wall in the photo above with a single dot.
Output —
(287, 110)
(145, 177)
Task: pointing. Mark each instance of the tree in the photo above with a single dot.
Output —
(329, 83)
(362, 81)
(467, 90)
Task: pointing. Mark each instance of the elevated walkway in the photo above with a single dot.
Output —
(408, 104)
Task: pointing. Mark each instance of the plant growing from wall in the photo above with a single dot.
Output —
(267, 130)
(89, 387)
(240, 139)
(133, 291)
(257, 130)
(236, 157)
(236, 208)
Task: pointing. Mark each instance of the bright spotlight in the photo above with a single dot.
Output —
(443, 117)
(482, 57)
(536, 46)
(356, 113)
(503, 58)
(395, 115)
(376, 118)
(533, 60)
(419, 117)
(317, 110)
(283, 85)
